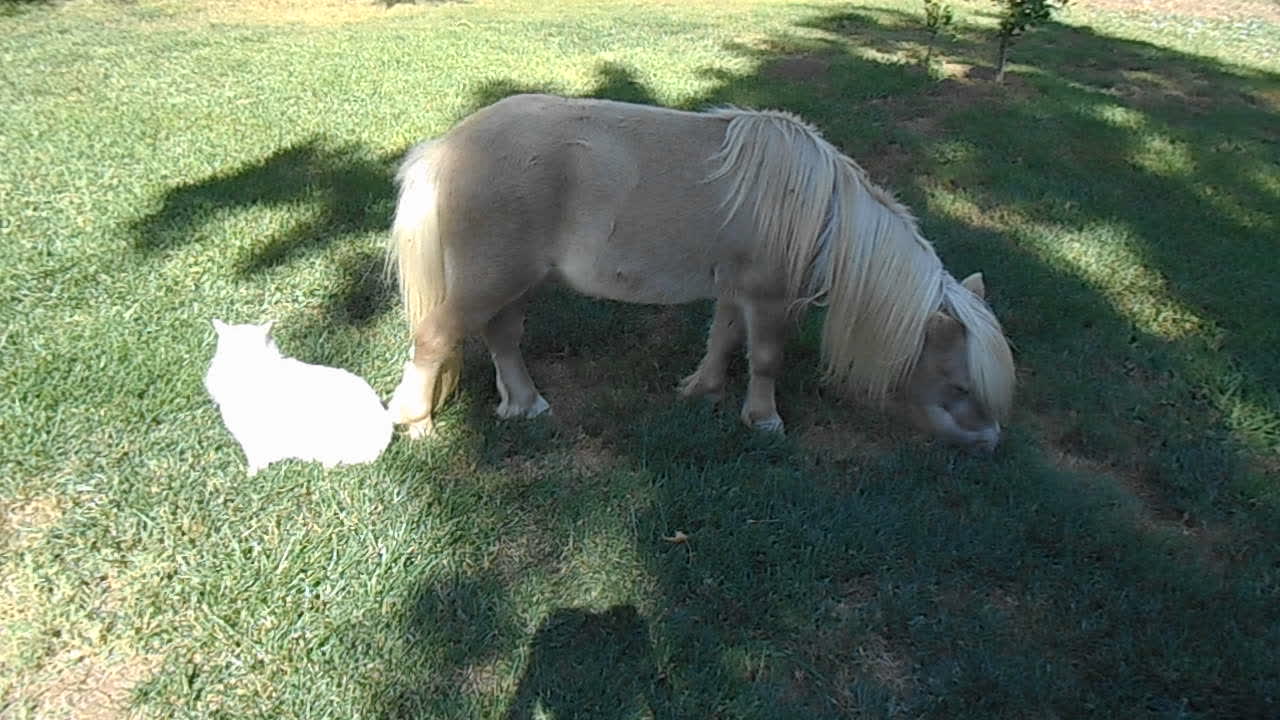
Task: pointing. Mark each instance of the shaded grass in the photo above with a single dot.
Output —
(1116, 559)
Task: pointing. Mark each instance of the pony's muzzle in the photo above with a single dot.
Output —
(985, 441)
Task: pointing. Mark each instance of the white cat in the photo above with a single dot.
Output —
(280, 408)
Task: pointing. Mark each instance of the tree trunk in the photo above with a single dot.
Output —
(1003, 57)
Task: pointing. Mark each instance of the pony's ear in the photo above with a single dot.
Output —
(267, 326)
(219, 326)
(975, 285)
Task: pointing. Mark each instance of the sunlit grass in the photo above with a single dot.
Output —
(166, 163)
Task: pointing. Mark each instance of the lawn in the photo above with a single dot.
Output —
(169, 162)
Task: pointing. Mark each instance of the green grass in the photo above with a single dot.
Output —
(168, 162)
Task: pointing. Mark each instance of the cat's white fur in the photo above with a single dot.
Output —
(279, 408)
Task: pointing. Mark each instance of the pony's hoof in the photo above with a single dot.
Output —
(695, 386)
(540, 406)
(506, 411)
(769, 425)
(421, 429)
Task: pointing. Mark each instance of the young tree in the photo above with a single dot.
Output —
(937, 20)
(1016, 17)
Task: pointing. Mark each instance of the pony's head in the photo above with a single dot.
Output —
(961, 386)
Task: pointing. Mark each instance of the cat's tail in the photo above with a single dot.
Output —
(415, 252)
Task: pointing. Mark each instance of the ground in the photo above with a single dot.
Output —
(234, 159)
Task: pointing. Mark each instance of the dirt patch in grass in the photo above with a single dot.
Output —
(583, 386)
(847, 439)
(82, 685)
(570, 384)
(924, 116)
(1148, 89)
(809, 68)
(50, 675)
(844, 660)
(24, 522)
(593, 456)
(1267, 98)
(962, 87)
(664, 326)
(889, 666)
(890, 164)
(1066, 451)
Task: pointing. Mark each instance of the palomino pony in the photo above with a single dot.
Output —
(650, 205)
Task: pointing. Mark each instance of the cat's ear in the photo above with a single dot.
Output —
(219, 326)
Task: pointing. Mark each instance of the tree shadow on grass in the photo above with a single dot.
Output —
(331, 195)
(614, 81)
(15, 7)
(474, 614)
(587, 664)
(1116, 558)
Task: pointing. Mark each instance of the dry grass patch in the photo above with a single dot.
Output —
(888, 665)
(1268, 10)
(318, 13)
(24, 522)
(80, 685)
(483, 679)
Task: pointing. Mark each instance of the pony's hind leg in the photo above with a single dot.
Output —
(431, 376)
(727, 334)
(766, 323)
(520, 398)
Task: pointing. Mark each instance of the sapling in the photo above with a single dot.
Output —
(1017, 17)
(937, 20)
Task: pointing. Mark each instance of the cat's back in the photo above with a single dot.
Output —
(339, 407)
(333, 381)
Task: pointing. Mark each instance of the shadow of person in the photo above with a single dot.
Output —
(586, 664)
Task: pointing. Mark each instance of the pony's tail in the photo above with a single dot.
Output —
(415, 252)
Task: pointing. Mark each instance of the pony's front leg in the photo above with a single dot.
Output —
(727, 333)
(766, 335)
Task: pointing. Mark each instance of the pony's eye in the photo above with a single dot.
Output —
(960, 390)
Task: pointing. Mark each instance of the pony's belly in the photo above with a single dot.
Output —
(640, 284)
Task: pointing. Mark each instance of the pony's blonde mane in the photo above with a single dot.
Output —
(844, 242)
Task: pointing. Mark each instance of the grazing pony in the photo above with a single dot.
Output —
(651, 205)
